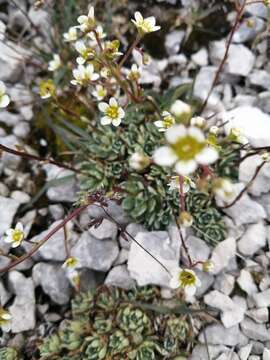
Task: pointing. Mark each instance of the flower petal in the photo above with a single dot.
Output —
(164, 156)
(105, 120)
(116, 122)
(185, 167)
(138, 16)
(19, 226)
(4, 101)
(113, 102)
(103, 106)
(121, 113)
(207, 156)
(196, 133)
(175, 132)
(159, 123)
(190, 290)
(82, 19)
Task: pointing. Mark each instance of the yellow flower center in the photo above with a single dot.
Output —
(168, 121)
(186, 278)
(17, 235)
(101, 93)
(71, 262)
(186, 148)
(3, 321)
(112, 112)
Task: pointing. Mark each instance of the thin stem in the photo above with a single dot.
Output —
(223, 61)
(37, 158)
(184, 243)
(238, 197)
(129, 51)
(181, 193)
(34, 249)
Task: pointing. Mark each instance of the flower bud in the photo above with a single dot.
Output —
(185, 219)
(139, 161)
(181, 111)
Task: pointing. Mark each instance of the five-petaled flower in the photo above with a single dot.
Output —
(85, 52)
(55, 63)
(15, 236)
(167, 121)
(186, 150)
(5, 318)
(84, 74)
(113, 112)
(87, 22)
(99, 93)
(185, 279)
(4, 98)
(174, 184)
(134, 74)
(146, 25)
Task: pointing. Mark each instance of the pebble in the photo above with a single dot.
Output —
(253, 239)
(120, 277)
(224, 283)
(222, 254)
(260, 315)
(246, 282)
(8, 209)
(217, 334)
(262, 299)
(254, 330)
(106, 230)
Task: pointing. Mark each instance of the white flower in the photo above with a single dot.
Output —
(71, 35)
(214, 130)
(174, 184)
(105, 72)
(113, 112)
(70, 263)
(87, 22)
(55, 63)
(99, 32)
(181, 110)
(186, 279)
(15, 236)
(198, 121)
(236, 134)
(166, 123)
(208, 266)
(223, 189)
(186, 150)
(84, 51)
(84, 74)
(99, 93)
(146, 25)
(134, 74)
(5, 318)
(139, 161)
(4, 98)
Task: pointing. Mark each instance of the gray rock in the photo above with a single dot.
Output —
(57, 211)
(262, 299)
(253, 239)
(260, 315)
(248, 168)
(120, 277)
(122, 257)
(244, 352)
(259, 10)
(222, 254)
(200, 352)
(146, 270)
(23, 308)
(133, 229)
(54, 248)
(23, 99)
(255, 331)
(246, 32)
(260, 78)
(95, 254)
(12, 58)
(243, 117)
(263, 101)
(266, 354)
(8, 209)
(53, 281)
(224, 283)
(246, 282)
(106, 230)
(173, 41)
(219, 301)
(9, 118)
(41, 19)
(90, 279)
(217, 334)
(4, 294)
(245, 210)
(22, 130)
(20, 196)
(228, 355)
(207, 281)
(200, 58)
(10, 161)
(197, 248)
(65, 190)
(236, 315)
(236, 52)
(115, 210)
(203, 81)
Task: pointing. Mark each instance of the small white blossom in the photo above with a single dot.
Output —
(139, 161)
(99, 32)
(55, 63)
(198, 121)
(99, 93)
(5, 318)
(71, 35)
(174, 184)
(84, 74)
(15, 236)
(186, 149)
(185, 279)
(87, 22)
(236, 134)
(166, 123)
(113, 112)
(4, 98)
(214, 130)
(181, 110)
(134, 74)
(84, 51)
(208, 266)
(70, 263)
(146, 25)
(105, 72)
(223, 189)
